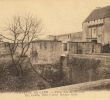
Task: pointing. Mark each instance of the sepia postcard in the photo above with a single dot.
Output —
(55, 49)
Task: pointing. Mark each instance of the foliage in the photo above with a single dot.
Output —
(52, 73)
(10, 81)
(22, 30)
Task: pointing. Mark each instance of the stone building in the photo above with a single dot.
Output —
(73, 44)
(74, 37)
(46, 51)
(96, 27)
(81, 48)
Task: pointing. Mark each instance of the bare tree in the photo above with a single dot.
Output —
(23, 30)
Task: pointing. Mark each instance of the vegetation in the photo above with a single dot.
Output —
(52, 73)
(22, 31)
(10, 81)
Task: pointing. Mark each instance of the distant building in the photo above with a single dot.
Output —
(51, 37)
(96, 27)
(73, 37)
(65, 38)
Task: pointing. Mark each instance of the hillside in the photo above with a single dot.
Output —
(30, 79)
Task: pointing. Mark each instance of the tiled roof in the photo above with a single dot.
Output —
(99, 13)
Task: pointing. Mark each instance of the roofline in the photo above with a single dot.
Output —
(82, 42)
(68, 34)
(45, 41)
(99, 8)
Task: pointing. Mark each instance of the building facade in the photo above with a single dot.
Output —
(96, 27)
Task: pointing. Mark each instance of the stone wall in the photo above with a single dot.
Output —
(80, 68)
(4, 49)
(52, 73)
(84, 47)
(46, 51)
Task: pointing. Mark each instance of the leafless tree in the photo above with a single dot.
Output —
(23, 30)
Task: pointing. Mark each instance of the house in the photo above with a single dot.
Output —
(96, 27)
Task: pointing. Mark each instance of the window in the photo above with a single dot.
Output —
(89, 33)
(65, 46)
(45, 45)
(100, 30)
(94, 33)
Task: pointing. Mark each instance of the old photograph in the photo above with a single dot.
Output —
(54, 47)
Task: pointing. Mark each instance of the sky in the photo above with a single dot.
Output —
(58, 16)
